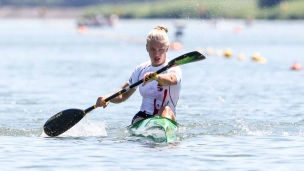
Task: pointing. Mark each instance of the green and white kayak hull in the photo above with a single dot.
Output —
(157, 128)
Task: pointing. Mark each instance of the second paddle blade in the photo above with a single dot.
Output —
(62, 121)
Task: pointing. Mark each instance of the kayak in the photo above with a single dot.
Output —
(157, 128)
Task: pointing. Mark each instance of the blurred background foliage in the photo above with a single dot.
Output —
(238, 9)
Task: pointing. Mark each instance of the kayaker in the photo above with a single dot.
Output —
(160, 93)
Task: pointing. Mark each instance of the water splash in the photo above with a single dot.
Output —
(84, 129)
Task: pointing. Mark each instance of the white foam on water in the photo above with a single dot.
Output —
(84, 128)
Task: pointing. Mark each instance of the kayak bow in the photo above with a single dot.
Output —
(157, 128)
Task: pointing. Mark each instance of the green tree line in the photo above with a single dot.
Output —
(238, 9)
(64, 3)
(262, 3)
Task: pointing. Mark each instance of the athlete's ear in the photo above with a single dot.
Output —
(167, 48)
(147, 47)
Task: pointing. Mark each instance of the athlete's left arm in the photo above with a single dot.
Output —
(167, 79)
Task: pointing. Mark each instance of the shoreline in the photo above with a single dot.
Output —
(11, 12)
(25, 12)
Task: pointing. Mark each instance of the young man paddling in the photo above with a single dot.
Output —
(159, 93)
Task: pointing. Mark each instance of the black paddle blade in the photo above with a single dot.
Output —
(62, 121)
(187, 58)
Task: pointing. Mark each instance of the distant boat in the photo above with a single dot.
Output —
(99, 21)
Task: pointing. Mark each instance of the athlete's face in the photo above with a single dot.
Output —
(157, 52)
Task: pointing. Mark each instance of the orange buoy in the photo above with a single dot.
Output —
(82, 29)
(228, 53)
(209, 51)
(296, 66)
(176, 46)
(258, 58)
(241, 56)
(237, 29)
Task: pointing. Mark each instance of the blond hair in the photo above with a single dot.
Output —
(159, 33)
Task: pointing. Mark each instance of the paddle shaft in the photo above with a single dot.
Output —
(128, 88)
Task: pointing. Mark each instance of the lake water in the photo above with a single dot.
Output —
(235, 114)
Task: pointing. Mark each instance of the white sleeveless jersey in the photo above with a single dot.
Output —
(154, 95)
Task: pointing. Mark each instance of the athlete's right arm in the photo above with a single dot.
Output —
(122, 97)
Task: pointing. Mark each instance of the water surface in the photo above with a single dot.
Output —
(235, 115)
